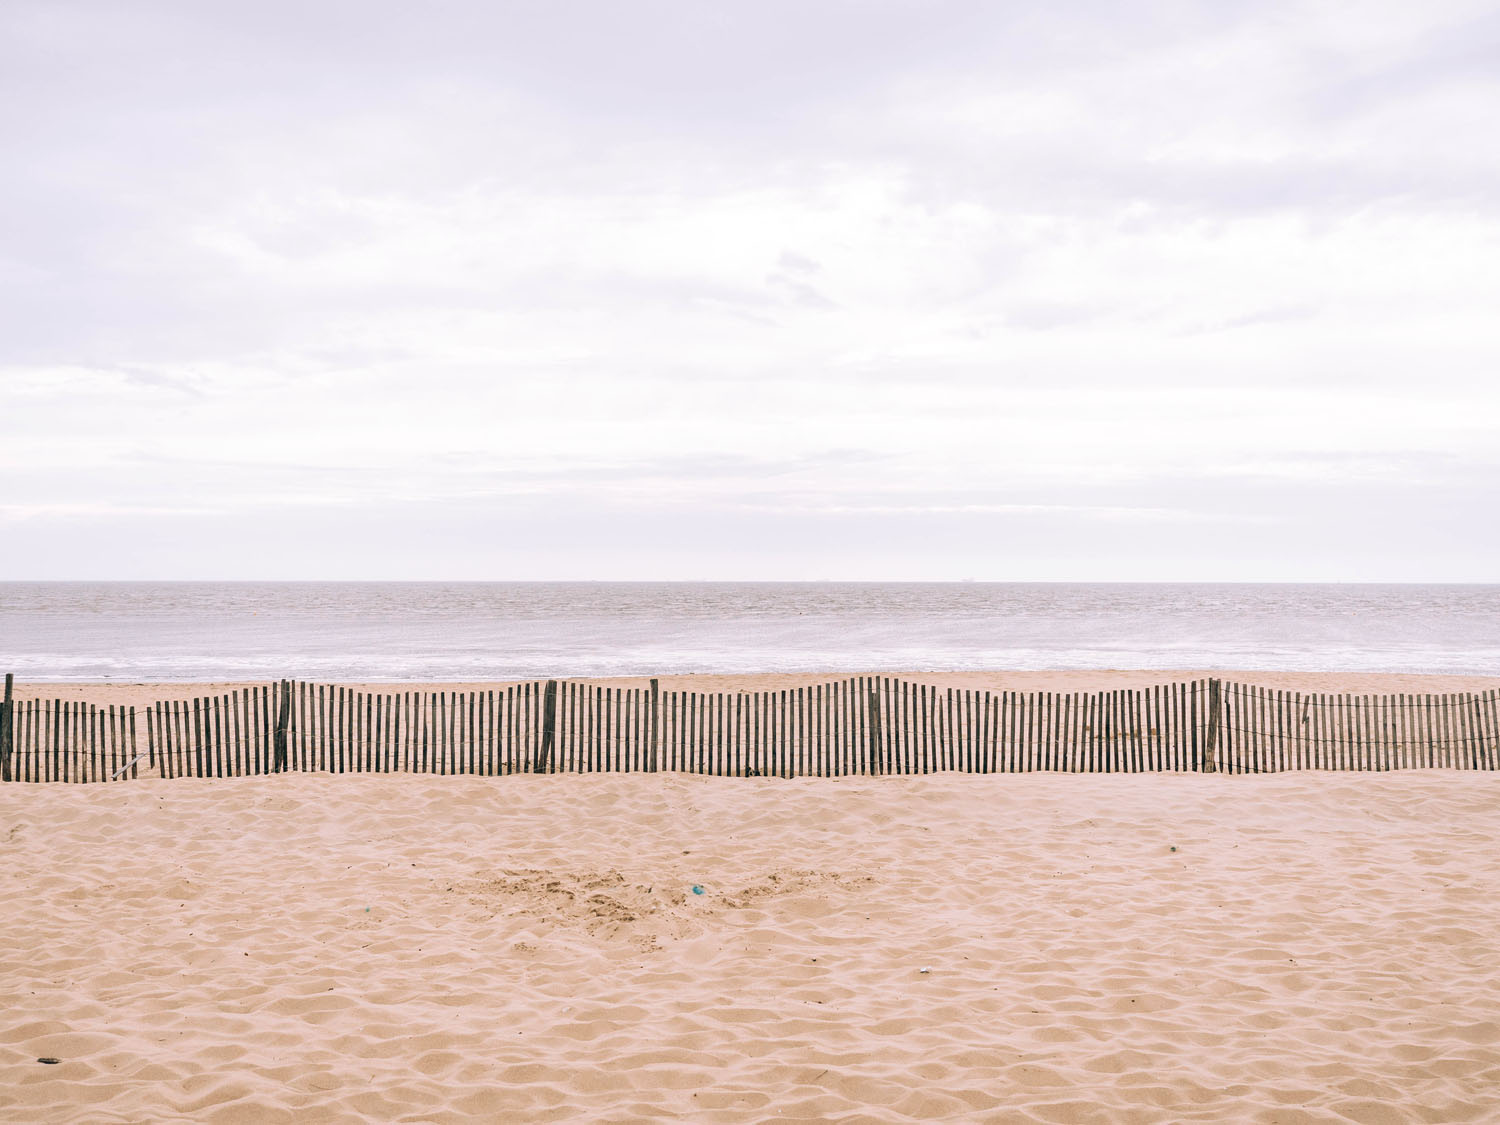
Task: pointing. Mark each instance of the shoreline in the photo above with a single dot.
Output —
(138, 693)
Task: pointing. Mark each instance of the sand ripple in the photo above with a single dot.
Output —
(1315, 947)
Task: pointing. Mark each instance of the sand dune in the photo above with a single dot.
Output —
(1318, 947)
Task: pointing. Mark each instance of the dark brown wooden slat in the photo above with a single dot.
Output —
(1491, 708)
(1353, 734)
(1255, 742)
(564, 734)
(984, 704)
(1004, 758)
(89, 712)
(1460, 733)
(1248, 747)
(1037, 736)
(153, 737)
(1270, 710)
(30, 740)
(674, 731)
(1475, 725)
(832, 731)
(1363, 732)
(597, 720)
(1076, 759)
(1281, 717)
(1492, 728)
(1386, 732)
(20, 733)
(722, 711)
(1215, 721)
(63, 725)
(1119, 724)
(1190, 730)
(1380, 740)
(1465, 720)
(166, 765)
(303, 756)
(218, 706)
(1455, 711)
(1452, 710)
(33, 739)
(184, 762)
(1107, 727)
(614, 705)
(1261, 722)
(387, 744)
(1181, 739)
(109, 746)
(135, 758)
(421, 719)
(355, 734)
(1019, 761)
(1416, 756)
(1150, 698)
(1445, 730)
(1284, 715)
(9, 764)
(1335, 735)
(1134, 709)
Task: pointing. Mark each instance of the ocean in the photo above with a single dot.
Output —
(401, 631)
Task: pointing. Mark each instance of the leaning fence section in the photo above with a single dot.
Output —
(856, 726)
(66, 740)
(1266, 731)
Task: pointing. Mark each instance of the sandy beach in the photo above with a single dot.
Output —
(1371, 683)
(845, 563)
(1039, 948)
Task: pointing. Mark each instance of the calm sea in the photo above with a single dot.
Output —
(502, 630)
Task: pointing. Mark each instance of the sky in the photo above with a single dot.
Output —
(767, 290)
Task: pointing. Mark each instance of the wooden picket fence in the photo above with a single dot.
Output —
(857, 726)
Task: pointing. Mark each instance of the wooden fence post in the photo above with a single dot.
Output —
(549, 727)
(874, 747)
(1211, 739)
(7, 727)
(283, 714)
(651, 738)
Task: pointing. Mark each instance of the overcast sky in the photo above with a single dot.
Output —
(919, 290)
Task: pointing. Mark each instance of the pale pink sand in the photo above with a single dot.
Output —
(1320, 947)
(1358, 683)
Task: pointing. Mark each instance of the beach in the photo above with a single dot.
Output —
(826, 563)
(1312, 946)
(139, 694)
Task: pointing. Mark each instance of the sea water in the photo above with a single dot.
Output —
(503, 630)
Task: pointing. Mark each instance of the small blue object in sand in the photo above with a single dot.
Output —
(697, 890)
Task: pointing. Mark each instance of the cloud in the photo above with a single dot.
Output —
(957, 262)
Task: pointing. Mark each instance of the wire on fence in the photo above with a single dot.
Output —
(857, 726)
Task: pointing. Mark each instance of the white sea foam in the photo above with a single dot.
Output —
(486, 631)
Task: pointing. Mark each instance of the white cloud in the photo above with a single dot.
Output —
(972, 263)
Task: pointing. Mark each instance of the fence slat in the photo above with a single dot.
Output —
(865, 725)
(1492, 710)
